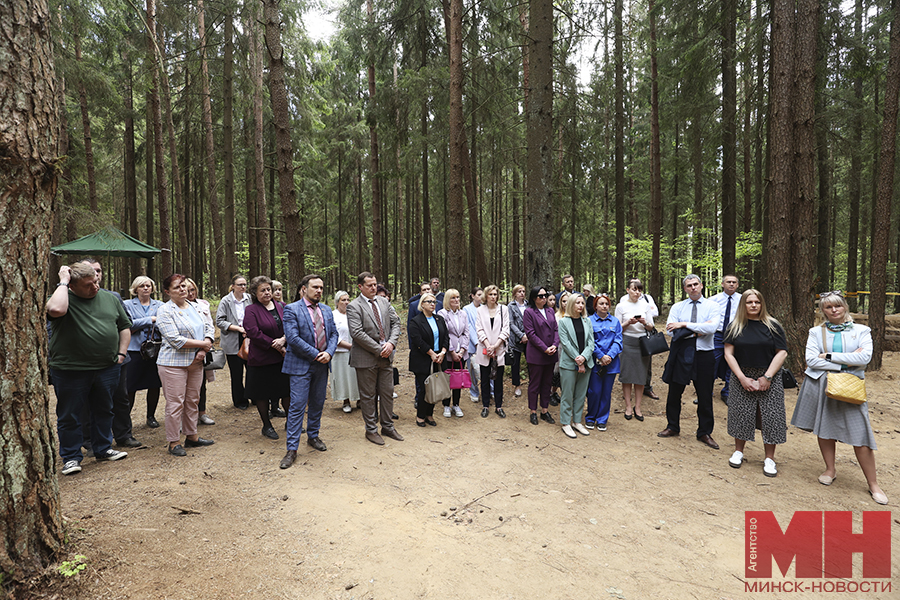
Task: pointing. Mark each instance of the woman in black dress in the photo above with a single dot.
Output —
(755, 349)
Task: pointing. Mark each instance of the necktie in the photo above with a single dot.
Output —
(693, 311)
(320, 329)
(727, 314)
(377, 319)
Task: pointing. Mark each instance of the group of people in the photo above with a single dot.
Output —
(579, 349)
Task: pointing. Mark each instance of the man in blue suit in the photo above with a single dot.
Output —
(311, 342)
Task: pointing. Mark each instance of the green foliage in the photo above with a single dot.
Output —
(71, 568)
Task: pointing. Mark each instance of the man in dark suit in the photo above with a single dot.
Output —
(425, 288)
(375, 329)
(312, 339)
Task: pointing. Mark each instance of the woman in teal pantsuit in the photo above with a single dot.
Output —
(576, 344)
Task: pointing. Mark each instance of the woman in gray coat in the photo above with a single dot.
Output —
(230, 321)
(517, 337)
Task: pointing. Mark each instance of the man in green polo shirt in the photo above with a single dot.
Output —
(91, 332)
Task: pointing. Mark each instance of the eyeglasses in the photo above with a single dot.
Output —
(837, 293)
(428, 302)
(542, 295)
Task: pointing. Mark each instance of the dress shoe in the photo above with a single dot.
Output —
(242, 406)
(580, 429)
(152, 422)
(421, 423)
(277, 413)
(826, 480)
(628, 417)
(205, 419)
(270, 433)
(373, 437)
(485, 412)
(567, 429)
(394, 416)
(189, 443)
(668, 433)
(706, 439)
(554, 399)
(500, 413)
(546, 417)
(879, 497)
(648, 391)
(288, 459)
(769, 469)
(736, 459)
(391, 433)
(316, 443)
(534, 419)
(129, 443)
(347, 408)
(431, 422)
(177, 451)
(639, 417)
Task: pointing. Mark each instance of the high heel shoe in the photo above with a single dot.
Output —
(639, 417)
(628, 417)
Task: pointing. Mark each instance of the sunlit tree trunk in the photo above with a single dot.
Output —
(162, 187)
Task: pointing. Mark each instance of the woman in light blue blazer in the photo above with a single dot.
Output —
(576, 345)
(837, 345)
(141, 374)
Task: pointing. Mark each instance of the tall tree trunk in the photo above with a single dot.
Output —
(619, 127)
(32, 527)
(228, 142)
(183, 252)
(374, 168)
(162, 187)
(539, 141)
(729, 135)
(86, 131)
(290, 214)
(856, 149)
(457, 275)
(130, 166)
(882, 214)
(149, 151)
(259, 167)
(824, 247)
(212, 197)
(655, 162)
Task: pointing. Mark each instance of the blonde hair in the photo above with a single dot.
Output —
(450, 295)
(139, 281)
(736, 327)
(560, 311)
(517, 289)
(190, 282)
(423, 298)
(488, 290)
(834, 299)
(80, 270)
(570, 306)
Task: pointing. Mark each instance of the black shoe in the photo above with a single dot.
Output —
(393, 416)
(534, 419)
(199, 442)
(177, 451)
(546, 417)
(639, 417)
(628, 417)
(242, 406)
(317, 444)
(152, 422)
(500, 413)
(421, 423)
(270, 433)
(128, 443)
(554, 399)
(277, 413)
(485, 412)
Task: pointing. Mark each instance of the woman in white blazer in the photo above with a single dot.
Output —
(492, 326)
(837, 345)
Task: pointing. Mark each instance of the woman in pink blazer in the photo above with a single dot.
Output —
(492, 326)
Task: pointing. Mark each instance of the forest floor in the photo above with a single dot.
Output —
(473, 508)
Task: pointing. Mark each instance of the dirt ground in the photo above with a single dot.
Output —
(472, 508)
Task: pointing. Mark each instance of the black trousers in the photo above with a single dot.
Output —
(703, 378)
(236, 366)
(486, 387)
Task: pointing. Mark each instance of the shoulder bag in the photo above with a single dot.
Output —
(150, 347)
(653, 343)
(244, 350)
(437, 387)
(841, 385)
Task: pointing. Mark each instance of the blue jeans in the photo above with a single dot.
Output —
(75, 391)
(307, 396)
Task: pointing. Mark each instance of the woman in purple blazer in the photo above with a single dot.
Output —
(540, 351)
(264, 324)
(458, 329)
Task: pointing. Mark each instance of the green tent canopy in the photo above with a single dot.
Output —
(109, 241)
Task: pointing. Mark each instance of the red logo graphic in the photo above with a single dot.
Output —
(821, 544)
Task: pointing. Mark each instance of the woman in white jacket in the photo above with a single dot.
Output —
(838, 344)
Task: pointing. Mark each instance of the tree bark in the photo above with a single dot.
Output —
(211, 193)
(290, 214)
(539, 138)
(729, 136)
(183, 254)
(31, 527)
(374, 168)
(655, 162)
(86, 132)
(855, 199)
(259, 167)
(162, 188)
(457, 274)
(884, 197)
(130, 167)
(228, 143)
(619, 127)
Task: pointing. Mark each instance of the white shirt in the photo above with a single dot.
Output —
(343, 329)
(723, 299)
(707, 319)
(626, 309)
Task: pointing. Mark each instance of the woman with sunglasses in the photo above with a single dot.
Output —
(428, 342)
(540, 352)
(837, 345)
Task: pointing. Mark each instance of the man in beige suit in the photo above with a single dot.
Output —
(375, 329)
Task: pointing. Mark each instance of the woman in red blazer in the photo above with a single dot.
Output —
(540, 352)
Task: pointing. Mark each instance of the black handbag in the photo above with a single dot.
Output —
(787, 379)
(150, 347)
(653, 343)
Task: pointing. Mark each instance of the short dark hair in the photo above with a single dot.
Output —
(475, 291)
(564, 277)
(172, 279)
(305, 281)
(636, 283)
(532, 296)
(254, 285)
(380, 288)
(363, 276)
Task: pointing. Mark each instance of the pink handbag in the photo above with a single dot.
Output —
(459, 378)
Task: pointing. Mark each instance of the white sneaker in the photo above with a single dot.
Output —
(580, 429)
(736, 459)
(71, 467)
(206, 419)
(458, 412)
(601, 426)
(589, 425)
(473, 397)
(447, 413)
(567, 429)
(111, 455)
(518, 393)
(395, 394)
(769, 469)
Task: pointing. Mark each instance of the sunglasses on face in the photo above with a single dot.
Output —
(542, 295)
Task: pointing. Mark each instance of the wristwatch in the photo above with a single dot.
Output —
(767, 377)
(828, 356)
